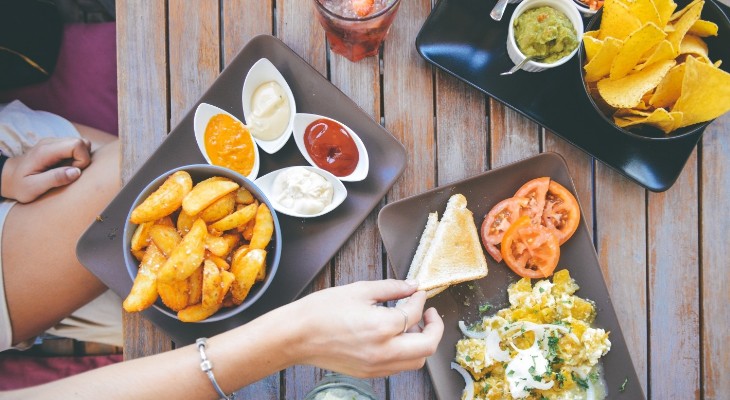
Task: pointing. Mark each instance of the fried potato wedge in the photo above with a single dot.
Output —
(235, 219)
(144, 288)
(165, 200)
(187, 255)
(195, 285)
(245, 270)
(244, 196)
(141, 236)
(262, 229)
(206, 193)
(211, 284)
(221, 246)
(175, 294)
(165, 238)
(197, 312)
(219, 209)
(220, 262)
(185, 222)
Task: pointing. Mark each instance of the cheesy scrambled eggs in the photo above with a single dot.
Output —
(541, 347)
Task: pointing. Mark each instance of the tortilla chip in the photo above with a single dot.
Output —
(646, 11)
(617, 21)
(628, 91)
(592, 45)
(682, 25)
(678, 118)
(664, 8)
(703, 28)
(659, 118)
(600, 65)
(681, 12)
(669, 89)
(695, 46)
(638, 43)
(662, 51)
(718, 63)
(705, 93)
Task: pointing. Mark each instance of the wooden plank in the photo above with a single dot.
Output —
(242, 20)
(674, 365)
(621, 246)
(142, 91)
(461, 129)
(512, 136)
(299, 29)
(580, 166)
(409, 116)
(194, 53)
(715, 219)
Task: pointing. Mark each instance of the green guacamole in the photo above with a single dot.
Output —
(545, 31)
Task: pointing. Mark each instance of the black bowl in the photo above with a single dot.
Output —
(199, 172)
(718, 50)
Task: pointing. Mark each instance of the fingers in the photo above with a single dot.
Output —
(51, 152)
(413, 307)
(389, 289)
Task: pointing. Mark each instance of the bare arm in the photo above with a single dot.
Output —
(341, 328)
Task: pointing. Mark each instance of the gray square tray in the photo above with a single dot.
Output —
(308, 244)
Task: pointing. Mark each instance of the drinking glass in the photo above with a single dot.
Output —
(351, 36)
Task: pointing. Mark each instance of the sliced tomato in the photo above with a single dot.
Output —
(535, 191)
(531, 251)
(561, 212)
(497, 221)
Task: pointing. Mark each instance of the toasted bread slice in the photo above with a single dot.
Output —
(423, 244)
(455, 254)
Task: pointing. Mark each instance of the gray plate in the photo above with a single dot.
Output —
(401, 224)
(307, 244)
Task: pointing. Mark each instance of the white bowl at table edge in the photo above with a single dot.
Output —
(302, 120)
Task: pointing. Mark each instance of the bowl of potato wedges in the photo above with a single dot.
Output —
(201, 243)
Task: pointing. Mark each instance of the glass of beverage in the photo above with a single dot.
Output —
(336, 386)
(356, 28)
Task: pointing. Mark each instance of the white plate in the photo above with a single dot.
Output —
(302, 120)
(261, 72)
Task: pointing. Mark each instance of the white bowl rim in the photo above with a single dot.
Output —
(363, 166)
(338, 196)
(573, 15)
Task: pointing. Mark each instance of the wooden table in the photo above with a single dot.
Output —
(664, 255)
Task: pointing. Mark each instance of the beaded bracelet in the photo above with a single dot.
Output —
(207, 367)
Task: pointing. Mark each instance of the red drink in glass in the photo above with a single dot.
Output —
(356, 31)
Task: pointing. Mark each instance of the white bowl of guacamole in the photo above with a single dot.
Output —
(551, 29)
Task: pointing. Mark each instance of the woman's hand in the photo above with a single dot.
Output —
(51, 163)
(345, 329)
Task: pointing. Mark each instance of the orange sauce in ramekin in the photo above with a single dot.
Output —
(229, 144)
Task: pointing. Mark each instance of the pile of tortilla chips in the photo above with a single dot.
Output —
(652, 67)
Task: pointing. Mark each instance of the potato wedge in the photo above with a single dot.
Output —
(243, 196)
(236, 219)
(221, 245)
(227, 279)
(206, 193)
(185, 222)
(165, 200)
(144, 288)
(247, 231)
(219, 209)
(165, 238)
(262, 229)
(220, 262)
(246, 269)
(211, 284)
(138, 254)
(187, 255)
(166, 221)
(175, 294)
(141, 236)
(195, 285)
(197, 312)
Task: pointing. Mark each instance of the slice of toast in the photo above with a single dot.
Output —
(454, 254)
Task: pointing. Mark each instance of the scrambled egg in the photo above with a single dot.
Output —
(541, 347)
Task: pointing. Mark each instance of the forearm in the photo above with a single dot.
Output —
(240, 357)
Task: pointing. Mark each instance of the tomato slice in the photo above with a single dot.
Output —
(535, 191)
(561, 211)
(497, 221)
(531, 251)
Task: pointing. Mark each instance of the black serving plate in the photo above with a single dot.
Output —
(307, 243)
(476, 53)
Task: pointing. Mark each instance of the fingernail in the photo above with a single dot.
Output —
(412, 282)
(73, 173)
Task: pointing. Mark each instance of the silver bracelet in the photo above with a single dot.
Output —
(207, 367)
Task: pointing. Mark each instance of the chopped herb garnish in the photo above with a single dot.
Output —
(542, 290)
(593, 376)
(510, 372)
(560, 378)
(485, 307)
(467, 358)
(623, 385)
(580, 381)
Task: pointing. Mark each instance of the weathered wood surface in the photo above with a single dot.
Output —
(663, 255)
